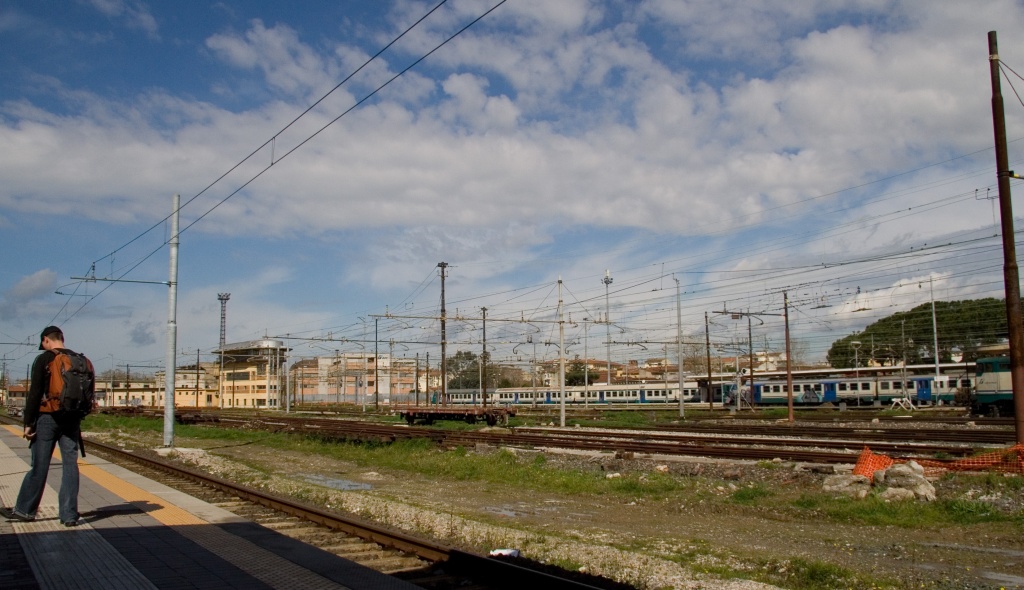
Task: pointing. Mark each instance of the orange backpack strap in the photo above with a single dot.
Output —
(51, 398)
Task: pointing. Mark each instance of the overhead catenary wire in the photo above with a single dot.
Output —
(258, 174)
(272, 139)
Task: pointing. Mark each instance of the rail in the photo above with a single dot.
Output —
(494, 573)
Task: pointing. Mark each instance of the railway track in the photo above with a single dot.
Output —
(422, 562)
(781, 438)
(803, 414)
(803, 443)
(641, 442)
(860, 433)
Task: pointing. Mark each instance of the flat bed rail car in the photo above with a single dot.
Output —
(429, 414)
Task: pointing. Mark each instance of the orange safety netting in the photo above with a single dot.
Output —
(868, 463)
(1010, 460)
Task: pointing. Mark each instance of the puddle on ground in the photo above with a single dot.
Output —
(502, 511)
(336, 484)
(1017, 581)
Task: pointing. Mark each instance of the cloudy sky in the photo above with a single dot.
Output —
(329, 157)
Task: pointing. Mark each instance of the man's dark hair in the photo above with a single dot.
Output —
(53, 332)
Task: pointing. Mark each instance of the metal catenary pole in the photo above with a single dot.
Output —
(679, 347)
(789, 357)
(172, 328)
(444, 339)
(561, 358)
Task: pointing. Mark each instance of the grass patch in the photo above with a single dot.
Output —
(873, 511)
(989, 481)
(423, 457)
(751, 494)
(772, 413)
(796, 574)
(805, 574)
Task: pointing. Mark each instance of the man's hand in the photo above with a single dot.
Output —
(30, 433)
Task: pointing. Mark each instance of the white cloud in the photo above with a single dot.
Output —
(27, 294)
(136, 15)
(285, 62)
(546, 126)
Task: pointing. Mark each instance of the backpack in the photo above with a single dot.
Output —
(72, 384)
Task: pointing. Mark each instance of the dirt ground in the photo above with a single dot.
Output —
(666, 538)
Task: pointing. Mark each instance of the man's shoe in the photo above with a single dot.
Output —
(12, 514)
(74, 522)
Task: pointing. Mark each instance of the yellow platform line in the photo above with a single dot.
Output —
(271, 569)
(160, 509)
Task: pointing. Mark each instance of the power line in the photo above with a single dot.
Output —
(282, 130)
(296, 147)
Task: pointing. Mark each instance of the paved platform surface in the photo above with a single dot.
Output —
(140, 534)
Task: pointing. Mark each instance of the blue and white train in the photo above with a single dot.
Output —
(867, 390)
(920, 389)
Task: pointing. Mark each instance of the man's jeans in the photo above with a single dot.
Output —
(50, 433)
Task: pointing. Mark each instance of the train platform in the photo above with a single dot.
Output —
(140, 534)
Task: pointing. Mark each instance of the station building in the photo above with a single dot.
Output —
(355, 378)
(253, 375)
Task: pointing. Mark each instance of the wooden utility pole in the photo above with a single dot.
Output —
(1011, 278)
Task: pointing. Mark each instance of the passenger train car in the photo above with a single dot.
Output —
(595, 394)
(922, 389)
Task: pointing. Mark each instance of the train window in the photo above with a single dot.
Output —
(865, 387)
(817, 387)
(842, 387)
(965, 383)
(910, 385)
(884, 385)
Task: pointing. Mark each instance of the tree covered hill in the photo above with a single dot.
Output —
(963, 326)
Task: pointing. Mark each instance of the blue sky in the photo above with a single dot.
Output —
(840, 151)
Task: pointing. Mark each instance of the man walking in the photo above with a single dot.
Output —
(47, 426)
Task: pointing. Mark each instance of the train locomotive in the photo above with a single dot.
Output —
(993, 391)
